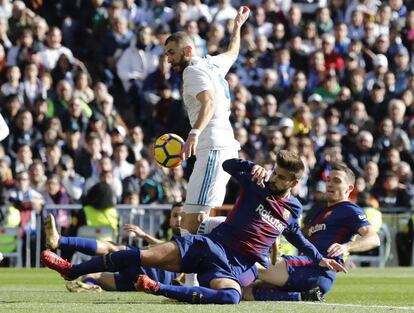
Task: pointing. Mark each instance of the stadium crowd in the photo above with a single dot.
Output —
(85, 88)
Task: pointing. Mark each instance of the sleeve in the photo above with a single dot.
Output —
(222, 63)
(4, 129)
(357, 218)
(239, 169)
(294, 235)
(196, 80)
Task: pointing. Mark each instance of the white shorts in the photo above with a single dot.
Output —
(206, 188)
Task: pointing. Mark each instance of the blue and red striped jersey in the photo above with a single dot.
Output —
(258, 218)
(336, 224)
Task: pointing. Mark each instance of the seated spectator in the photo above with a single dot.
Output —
(54, 49)
(24, 158)
(55, 194)
(37, 176)
(149, 189)
(175, 185)
(120, 166)
(29, 202)
(390, 194)
(12, 86)
(82, 89)
(23, 133)
(74, 116)
(71, 181)
(362, 153)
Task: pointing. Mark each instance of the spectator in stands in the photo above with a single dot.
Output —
(120, 166)
(55, 194)
(149, 189)
(29, 202)
(71, 181)
(54, 48)
(23, 133)
(175, 186)
(87, 163)
(37, 176)
(12, 86)
(390, 194)
(82, 89)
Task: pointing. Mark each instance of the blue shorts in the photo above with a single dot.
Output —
(209, 260)
(125, 279)
(304, 274)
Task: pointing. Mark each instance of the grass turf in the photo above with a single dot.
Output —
(362, 290)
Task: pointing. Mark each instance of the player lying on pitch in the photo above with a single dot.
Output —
(122, 281)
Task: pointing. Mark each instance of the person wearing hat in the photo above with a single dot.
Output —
(380, 63)
(285, 126)
(375, 100)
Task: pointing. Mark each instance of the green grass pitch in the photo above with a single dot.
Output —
(361, 290)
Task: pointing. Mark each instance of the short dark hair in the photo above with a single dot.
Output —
(342, 167)
(180, 38)
(291, 162)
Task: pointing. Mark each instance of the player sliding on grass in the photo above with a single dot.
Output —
(331, 232)
(262, 213)
(122, 281)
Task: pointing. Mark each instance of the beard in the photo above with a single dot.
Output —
(182, 63)
(278, 192)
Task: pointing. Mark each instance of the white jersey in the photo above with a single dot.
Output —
(208, 74)
(4, 129)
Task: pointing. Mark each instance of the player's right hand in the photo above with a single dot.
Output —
(189, 147)
(259, 175)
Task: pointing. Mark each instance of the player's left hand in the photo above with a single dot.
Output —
(134, 229)
(242, 16)
(337, 249)
(332, 265)
(189, 147)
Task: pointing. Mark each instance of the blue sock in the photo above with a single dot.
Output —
(200, 295)
(274, 294)
(84, 245)
(112, 262)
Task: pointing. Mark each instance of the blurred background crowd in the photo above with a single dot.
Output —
(85, 89)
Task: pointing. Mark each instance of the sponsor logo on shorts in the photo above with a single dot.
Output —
(316, 228)
(267, 217)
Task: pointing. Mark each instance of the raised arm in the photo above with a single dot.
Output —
(234, 45)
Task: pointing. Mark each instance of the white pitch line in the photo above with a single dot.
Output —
(404, 308)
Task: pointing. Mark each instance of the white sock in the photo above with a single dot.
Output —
(191, 280)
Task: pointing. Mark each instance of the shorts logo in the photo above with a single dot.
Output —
(316, 228)
(269, 219)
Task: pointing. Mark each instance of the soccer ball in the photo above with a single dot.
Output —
(167, 150)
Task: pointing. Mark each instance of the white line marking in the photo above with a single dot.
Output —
(405, 308)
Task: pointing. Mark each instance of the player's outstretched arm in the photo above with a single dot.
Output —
(141, 234)
(369, 239)
(234, 45)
